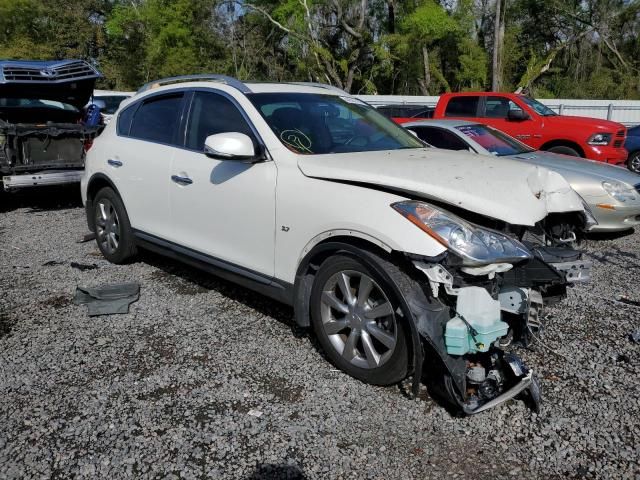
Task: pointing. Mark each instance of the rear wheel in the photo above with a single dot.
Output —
(634, 161)
(113, 230)
(564, 150)
(358, 321)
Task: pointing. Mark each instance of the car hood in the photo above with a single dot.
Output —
(595, 124)
(569, 167)
(498, 188)
(66, 81)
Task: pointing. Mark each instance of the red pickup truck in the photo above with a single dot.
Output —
(538, 126)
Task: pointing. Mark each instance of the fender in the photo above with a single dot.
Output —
(321, 237)
(91, 191)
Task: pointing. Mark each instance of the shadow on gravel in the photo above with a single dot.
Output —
(277, 472)
(598, 236)
(186, 280)
(6, 324)
(40, 199)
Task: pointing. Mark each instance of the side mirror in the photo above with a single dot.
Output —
(517, 115)
(229, 146)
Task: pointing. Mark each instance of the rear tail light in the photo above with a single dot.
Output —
(88, 144)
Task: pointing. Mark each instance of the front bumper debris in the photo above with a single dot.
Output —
(527, 385)
(575, 272)
(39, 179)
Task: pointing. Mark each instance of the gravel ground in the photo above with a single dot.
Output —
(205, 379)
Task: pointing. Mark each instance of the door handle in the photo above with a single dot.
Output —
(114, 163)
(181, 180)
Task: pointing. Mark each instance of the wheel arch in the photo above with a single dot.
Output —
(407, 285)
(563, 143)
(313, 257)
(96, 183)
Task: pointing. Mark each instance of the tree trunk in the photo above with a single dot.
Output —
(426, 82)
(497, 46)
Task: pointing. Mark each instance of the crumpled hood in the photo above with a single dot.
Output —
(503, 189)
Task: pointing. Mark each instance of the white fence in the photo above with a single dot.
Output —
(623, 111)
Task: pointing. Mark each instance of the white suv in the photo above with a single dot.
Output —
(399, 256)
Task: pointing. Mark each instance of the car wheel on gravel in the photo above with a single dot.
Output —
(356, 319)
(564, 150)
(634, 162)
(113, 230)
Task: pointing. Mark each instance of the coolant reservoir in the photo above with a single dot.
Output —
(481, 312)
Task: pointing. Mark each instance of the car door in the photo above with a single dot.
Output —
(496, 114)
(222, 208)
(140, 160)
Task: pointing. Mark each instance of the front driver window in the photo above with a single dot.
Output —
(440, 138)
(211, 113)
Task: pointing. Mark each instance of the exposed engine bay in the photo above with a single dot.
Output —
(476, 313)
(45, 128)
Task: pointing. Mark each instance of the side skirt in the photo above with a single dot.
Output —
(265, 285)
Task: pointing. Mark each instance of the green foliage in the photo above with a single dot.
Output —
(554, 48)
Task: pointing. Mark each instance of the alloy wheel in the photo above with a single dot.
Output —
(634, 162)
(358, 319)
(107, 226)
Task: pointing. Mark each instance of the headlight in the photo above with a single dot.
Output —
(599, 139)
(474, 244)
(619, 191)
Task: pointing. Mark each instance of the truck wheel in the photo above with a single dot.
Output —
(564, 150)
(113, 230)
(358, 321)
(634, 161)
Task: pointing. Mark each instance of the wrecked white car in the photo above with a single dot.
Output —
(43, 129)
(403, 264)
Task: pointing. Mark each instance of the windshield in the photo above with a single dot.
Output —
(309, 123)
(496, 142)
(35, 103)
(538, 107)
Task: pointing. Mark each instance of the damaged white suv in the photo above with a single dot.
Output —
(402, 258)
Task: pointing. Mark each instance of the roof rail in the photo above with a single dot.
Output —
(232, 82)
(320, 85)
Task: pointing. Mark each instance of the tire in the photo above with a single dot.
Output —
(564, 150)
(358, 321)
(634, 161)
(113, 230)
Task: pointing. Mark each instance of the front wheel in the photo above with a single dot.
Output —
(564, 150)
(634, 161)
(358, 321)
(113, 230)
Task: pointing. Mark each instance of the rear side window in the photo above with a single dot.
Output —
(440, 138)
(462, 107)
(124, 120)
(212, 113)
(158, 119)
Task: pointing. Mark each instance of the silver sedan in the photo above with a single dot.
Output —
(613, 193)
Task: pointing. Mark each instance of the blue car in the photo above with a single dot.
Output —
(632, 144)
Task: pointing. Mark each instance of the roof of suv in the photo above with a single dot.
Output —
(209, 80)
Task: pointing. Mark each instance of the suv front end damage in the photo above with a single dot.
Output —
(43, 138)
(485, 294)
